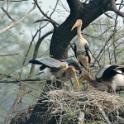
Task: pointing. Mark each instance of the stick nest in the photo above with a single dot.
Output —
(96, 105)
(71, 107)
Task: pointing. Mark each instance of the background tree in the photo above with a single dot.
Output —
(16, 49)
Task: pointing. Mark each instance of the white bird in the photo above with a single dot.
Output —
(113, 75)
(81, 49)
(53, 69)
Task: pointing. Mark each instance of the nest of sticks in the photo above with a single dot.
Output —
(85, 106)
(72, 107)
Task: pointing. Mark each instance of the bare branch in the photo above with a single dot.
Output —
(108, 16)
(114, 8)
(17, 81)
(62, 5)
(118, 12)
(41, 20)
(53, 22)
(103, 48)
(36, 50)
(7, 14)
(30, 46)
(9, 54)
(54, 8)
(17, 21)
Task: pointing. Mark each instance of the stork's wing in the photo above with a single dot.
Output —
(101, 71)
(88, 52)
(106, 72)
(120, 68)
(48, 62)
(74, 48)
(34, 61)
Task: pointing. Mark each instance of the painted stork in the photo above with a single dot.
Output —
(113, 75)
(53, 69)
(81, 49)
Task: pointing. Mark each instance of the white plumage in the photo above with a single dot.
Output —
(118, 80)
(113, 75)
(47, 75)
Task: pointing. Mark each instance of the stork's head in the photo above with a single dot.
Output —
(77, 24)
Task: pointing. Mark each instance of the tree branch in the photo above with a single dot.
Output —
(36, 50)
(8, 14)
(45, 15)
(87, 12)
(114, 8)
(16, 22)
(63, 35)
(74, 6)
(47, 20)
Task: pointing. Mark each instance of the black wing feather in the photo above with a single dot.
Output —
(87, 49)
(33, 61)
(47, 62)
(108, 73)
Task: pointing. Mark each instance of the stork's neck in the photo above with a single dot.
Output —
(79, 32)
(81, 40)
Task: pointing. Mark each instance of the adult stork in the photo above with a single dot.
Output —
(53, 69)
(113, 75)
(81, 49)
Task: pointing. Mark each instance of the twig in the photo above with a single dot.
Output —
(11, 54)
(103, 48)
(36, 50)
(17, 81)
(17, 21)
(52, 21)
(114, 8)
(7, 14)
(108, 16)
(103, 114)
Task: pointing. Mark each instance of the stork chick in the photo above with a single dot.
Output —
(81, 50)
(53, 69)
(113, 75)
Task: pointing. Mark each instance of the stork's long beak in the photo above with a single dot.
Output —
(74, 26)
(77, 24)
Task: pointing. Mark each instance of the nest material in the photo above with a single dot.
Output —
(71, 107)
(95, 105)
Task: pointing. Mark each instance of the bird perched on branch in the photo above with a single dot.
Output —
(113, 75)
(53, 69)
(81, 47)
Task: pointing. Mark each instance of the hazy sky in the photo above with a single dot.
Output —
(46, 4)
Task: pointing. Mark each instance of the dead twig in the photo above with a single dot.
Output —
(14, 23)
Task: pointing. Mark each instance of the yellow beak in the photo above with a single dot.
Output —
(77, 24)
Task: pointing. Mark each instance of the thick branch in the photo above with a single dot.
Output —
(118, 12)
(63, 34)
(74, 6)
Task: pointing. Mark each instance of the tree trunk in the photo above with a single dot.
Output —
(63, 35)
